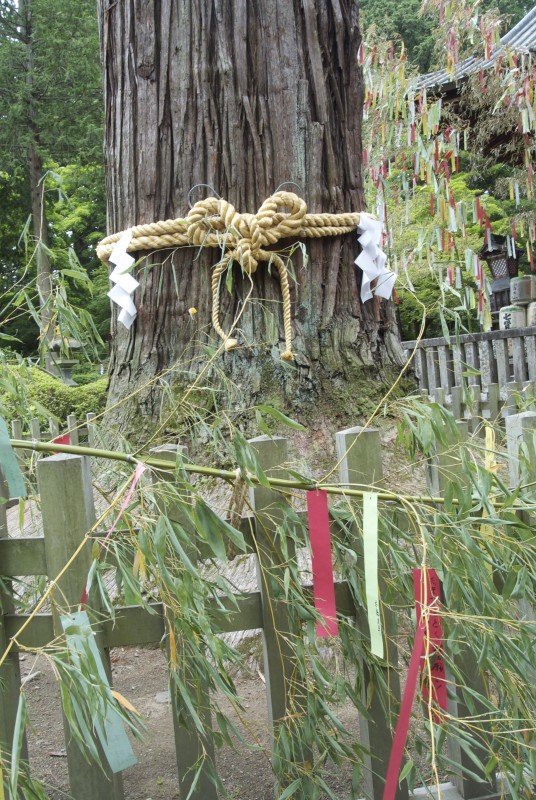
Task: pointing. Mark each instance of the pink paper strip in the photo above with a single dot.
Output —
(140, 468)
(402, 725)
(427, 587)
(323, 586)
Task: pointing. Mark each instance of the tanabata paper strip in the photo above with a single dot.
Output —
(370, 547)
(65, 439)
(372, 260)
(138, 472)
(427, 587)
(109, 727)
(9, 464)
(323, 586)
(402, 725)
(125, 284)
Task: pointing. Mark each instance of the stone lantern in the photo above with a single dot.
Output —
(502, 267)
(59, 365)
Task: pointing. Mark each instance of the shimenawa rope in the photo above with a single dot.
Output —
(242, 237)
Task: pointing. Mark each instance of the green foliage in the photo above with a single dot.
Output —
(46, 396)
(50, 82)
(74, 204)
(415, 229)
(50, 85)
(402, 20)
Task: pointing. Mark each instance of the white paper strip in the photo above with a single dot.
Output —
(125, 284)
(372, 260)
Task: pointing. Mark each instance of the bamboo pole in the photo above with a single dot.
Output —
(231, 475)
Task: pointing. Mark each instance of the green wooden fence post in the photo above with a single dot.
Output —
(68, 513)
(445, 465)
(444, 468)
(283, 691)
(10, 671)
(359, 454)
(189, 746)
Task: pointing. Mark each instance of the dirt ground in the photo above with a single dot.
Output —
(141, 676)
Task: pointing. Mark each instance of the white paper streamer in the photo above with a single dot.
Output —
(370, 547)
(125, 284)
(372, 260)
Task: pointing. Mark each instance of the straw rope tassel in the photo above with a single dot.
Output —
(216, 223)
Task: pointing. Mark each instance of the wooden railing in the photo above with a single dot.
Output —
(79, 431)
(65, 481)
(477, 371)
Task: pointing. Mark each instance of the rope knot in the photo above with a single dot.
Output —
(245, 256)
(244, 238)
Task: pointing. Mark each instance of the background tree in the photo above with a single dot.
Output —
(243, 98)
(50, 86)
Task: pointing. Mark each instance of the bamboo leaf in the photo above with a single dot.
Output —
(215, 529)
(280, 417)
(18, 738)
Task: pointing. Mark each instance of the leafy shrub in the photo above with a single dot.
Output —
(46, 396)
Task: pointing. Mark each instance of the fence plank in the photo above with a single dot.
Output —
(73, 429)
(432, 364)
(502, 358)
(35, 429)
(473, 362)
(519, 360)
(191, 749)
(359, 454)
(471, 677)
(421, 369)
(283, 692)
(23, 556)
(512, 398)
(488, 365)
(493, 401)
(91, 429)
(449, 468)
(68, 514)
(54, 428)
(10, 670)
(446, 368)
(444, 466)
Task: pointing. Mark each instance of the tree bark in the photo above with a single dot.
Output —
(244, 97)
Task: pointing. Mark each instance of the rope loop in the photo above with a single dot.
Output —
(214, 222)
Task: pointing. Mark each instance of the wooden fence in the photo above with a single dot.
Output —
(477, 375)
(79, 431)
(64, 481)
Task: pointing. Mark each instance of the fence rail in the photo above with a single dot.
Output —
(480, 374)
(65, 481)
(79, 431)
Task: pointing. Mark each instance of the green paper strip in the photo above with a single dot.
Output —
(9, 464)
(112, 735)
(370, 546)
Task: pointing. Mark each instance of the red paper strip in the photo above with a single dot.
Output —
(323, 586)
(427, 588)
(402, 725)
(65, 439)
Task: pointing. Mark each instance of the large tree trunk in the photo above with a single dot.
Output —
(242, 96)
